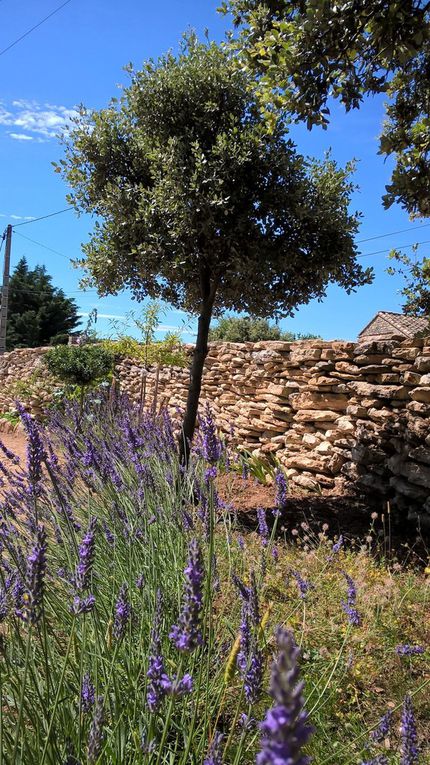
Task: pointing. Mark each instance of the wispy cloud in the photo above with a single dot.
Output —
(34, 121)
(21, 137)
(17, 217)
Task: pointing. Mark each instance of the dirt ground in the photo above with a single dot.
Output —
(15, 442)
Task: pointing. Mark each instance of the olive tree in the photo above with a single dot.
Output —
(198, 206)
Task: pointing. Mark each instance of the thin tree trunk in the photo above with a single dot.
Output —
(199, 356)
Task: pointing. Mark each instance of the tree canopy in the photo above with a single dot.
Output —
(306, 52)
(199, 206)
(38, 313)
(416, 274)
(240, 329)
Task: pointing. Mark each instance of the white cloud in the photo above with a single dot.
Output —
(40, 122)
(21, 137)
(19, 217)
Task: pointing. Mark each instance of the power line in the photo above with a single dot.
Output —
(391, 233)
(42, 217)
(401, 247)
(45, 247)
(39, 24)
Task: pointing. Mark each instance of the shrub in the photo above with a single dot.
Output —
(79, 365)
(82, 366)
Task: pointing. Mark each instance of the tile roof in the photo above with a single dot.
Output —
(394, 324)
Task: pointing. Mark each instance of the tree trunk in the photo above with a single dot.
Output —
(200, 353)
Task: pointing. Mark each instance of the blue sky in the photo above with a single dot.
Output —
(77, 56)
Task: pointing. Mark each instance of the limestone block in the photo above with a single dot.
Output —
(422, 363)
(379, 391)
(416, 473)
(413, 378)
(421, 454)
(421, 394)
(306, 482)
(314, 400)
(316, 415)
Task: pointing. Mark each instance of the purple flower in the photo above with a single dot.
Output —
(180, 687)
(336, 547)
(250, 657)
(246, 722)
(122, 613)
(32, 596)
(86, 557)
(3, 605)
(215, 751)
(187, 635)
(35, 450)
(303, 584)
(263, 528)
(140, 581)
(383, 729)
(159, 683)
(83, 605)
(275, 553)
(240, 542)
(281, 489)
(380, 759)
(348, 605)
(408, 733)
(285, 729)
(88, 693)
(409, 650)
(96, 734)
(211, 446)
(108, 534)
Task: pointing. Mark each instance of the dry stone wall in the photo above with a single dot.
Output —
(337, 415)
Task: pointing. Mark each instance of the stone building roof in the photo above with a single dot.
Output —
(388, 325)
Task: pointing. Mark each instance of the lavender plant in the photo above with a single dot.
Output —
(123, 638)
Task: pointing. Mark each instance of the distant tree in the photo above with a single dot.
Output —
(197, 206)
(235, 329)
(39, 313)
(304, 53)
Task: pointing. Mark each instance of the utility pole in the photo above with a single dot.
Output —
(5, 291)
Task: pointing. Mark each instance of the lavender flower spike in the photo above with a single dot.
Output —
(32, 597)
(215, 752)
(285, 729)
(408, 733)
(383, 729)
(211, 445)
(409, 650)
(281, 489)
(86, 557)
(122, 613)
(187, 635)
(263, 528)
(96, 735)
(87, 693)
(348, 605)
